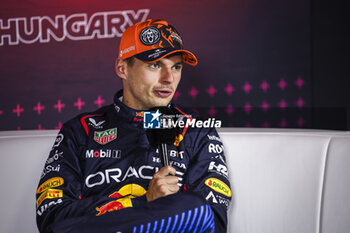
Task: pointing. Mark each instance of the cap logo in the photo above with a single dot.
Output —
(150, 36)
(176, 36)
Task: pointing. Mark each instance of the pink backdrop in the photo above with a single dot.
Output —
(57, 59)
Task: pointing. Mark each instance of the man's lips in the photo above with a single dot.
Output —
(163, 93)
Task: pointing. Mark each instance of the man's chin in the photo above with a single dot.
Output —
(161, 103)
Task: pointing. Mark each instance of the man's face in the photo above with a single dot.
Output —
(148, 85)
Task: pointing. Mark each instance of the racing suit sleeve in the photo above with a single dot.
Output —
(58, 196)
(208, 174)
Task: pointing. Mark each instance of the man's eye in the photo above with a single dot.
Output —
(177, 67)
(154, 66)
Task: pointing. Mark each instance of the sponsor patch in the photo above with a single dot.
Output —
(123, 196)
(175, 153)
(54, 158)
(213, 137)
(49, 194)
(174, 163)
(177, 164)
(134, 190)
(217, 199)
(218, 168)
(219, 157)
(150, 36)
(116, 175)
(138, 116)
(114, 154)
(211, 197)
(58, 140)
(178, 139)
(112, 175)
(157, 53)
(96, 125)
(104, 137)
(215, 148)
(50, 183)
(114, 205)
(218, 186)
(43, 208)
(116, 107)
(176, 36)
(50, 168)
(131, 48)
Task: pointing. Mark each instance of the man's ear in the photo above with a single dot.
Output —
(120, 68)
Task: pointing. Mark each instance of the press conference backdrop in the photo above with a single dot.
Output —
(57, 59)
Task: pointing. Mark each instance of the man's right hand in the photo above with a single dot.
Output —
(163, 183)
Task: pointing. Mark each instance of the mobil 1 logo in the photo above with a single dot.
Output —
(114, 154)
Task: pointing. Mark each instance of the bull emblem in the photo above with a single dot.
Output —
(150, 36)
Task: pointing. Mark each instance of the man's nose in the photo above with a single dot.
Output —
(167, 76)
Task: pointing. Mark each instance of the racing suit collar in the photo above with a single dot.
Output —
(125, 111)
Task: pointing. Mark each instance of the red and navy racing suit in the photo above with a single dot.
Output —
(102, 162)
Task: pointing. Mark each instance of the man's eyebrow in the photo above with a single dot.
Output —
(179, 63)
(156, 62)
(162, 63)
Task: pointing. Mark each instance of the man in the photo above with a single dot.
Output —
(103, 175)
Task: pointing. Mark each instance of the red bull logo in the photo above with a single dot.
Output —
(138, 116)
(123, 196)
(178, 139)
(114, 205)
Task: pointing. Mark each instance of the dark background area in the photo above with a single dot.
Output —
(330, 38)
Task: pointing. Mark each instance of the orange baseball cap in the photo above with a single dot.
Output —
(152, 40)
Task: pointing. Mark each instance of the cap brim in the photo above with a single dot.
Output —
(159, 53)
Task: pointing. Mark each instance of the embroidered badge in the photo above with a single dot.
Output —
(104, 137)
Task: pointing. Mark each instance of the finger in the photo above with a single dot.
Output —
(165, 171)
(168, 189)
(165, 181)
(173, 189)
(171, 180)
(172, 171)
